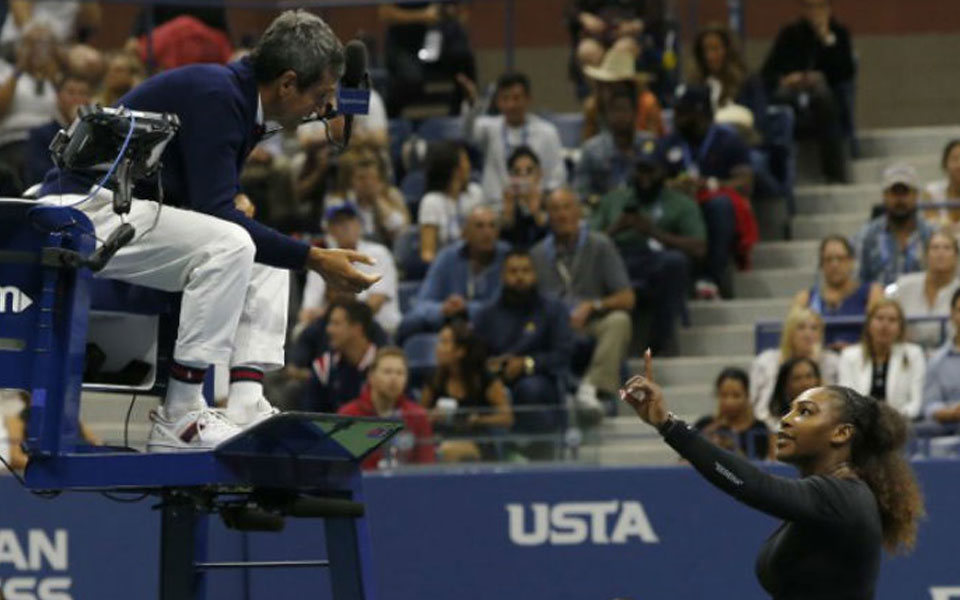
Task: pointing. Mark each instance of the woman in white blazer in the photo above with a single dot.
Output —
(882, 365)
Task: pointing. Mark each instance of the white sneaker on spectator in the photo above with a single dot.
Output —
(707, 290)
(247, 415)
(200, 429)
(587, 402)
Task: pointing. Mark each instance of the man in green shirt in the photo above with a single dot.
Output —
(660, 233)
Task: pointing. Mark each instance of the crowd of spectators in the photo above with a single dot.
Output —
(520, 271)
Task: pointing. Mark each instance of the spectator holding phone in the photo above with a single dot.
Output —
(524, 217)
(661, 235)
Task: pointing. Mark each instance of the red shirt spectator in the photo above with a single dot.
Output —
(383, 397)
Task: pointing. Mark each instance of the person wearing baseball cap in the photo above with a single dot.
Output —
(344, 225)
(893, 243)
(661, 234)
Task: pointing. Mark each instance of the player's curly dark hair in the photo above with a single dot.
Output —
(877, 456)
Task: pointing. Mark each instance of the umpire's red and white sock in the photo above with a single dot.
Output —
(184, 390)
(246, 392)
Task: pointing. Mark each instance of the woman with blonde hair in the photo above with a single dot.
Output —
(883, 365)
(927, 293)
(802, 337)
(362, 179)
(124, 72)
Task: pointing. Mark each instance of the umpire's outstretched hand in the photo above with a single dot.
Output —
(336, 268)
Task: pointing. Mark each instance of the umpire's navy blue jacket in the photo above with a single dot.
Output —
(217, 106)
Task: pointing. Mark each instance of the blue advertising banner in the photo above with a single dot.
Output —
(558, 533)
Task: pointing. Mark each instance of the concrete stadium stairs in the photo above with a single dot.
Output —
(721, 333)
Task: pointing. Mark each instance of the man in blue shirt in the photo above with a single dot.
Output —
(529, 337)
(701, 158)
(233, 311)
(464, 276)
(941, 387)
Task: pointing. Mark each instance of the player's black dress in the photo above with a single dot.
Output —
(828, 547)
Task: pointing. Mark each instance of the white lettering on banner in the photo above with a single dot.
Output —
(572, 523)
(945, 593)
(10, 550)
(37, 551)
(13, 300)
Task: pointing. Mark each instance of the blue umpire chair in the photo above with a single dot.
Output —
(294, 464)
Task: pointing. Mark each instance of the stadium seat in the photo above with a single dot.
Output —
(570, 127)
(398, 130)
(441, 128)
(413, 186)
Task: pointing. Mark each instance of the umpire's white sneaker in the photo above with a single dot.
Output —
(200, 429)
(247, 414)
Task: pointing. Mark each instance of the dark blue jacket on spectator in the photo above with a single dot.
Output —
(718, 154)
(540, 330)
(39, 160)
(448, 275)
(334, 381)
(218, 110)
(312, 342)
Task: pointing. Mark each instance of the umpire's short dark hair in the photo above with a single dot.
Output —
(301, 42)
(511, 79)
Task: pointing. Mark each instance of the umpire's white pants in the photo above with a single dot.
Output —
(233, 311)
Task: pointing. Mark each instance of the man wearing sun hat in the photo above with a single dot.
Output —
(618, 70)
(893, 243)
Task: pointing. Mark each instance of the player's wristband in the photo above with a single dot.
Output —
(667, 426)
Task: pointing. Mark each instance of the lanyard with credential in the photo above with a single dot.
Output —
(566, 276)
(471, 283)
(701, 152)
(908, 253)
